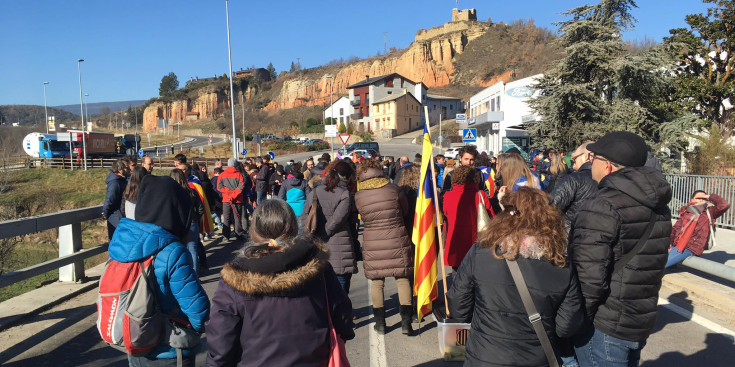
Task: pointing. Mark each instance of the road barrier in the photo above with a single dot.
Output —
(684, 185)
(71, 256)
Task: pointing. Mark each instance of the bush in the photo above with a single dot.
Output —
(311, 122)
(282, 145)
(312, 129)
(318, 146)
(366, 137)
(294, 124)
(220, 124)
(342, 128)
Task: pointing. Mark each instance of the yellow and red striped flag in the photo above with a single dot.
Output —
(424, 234)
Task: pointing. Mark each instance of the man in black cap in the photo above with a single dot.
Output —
(619, 248)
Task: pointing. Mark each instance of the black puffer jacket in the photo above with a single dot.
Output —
(608, 226)
(572, 190)
(484, 293)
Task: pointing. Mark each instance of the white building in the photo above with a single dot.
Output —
(500, 112)
(339, 111)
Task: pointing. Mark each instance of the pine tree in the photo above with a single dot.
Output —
(293, 67)
(706, 66)
(596, 87)
(272, 70)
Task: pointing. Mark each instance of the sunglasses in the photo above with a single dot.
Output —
(574, 157)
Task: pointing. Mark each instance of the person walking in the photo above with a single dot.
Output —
(162, 216)
(619, 247)
(130, 195)
(263, 178)
(197, 210)
(334, 219)
(231, 185)
(295, 189)
(273, 301)
(116, 181)
(573, 189)
(695, 225)
(531, 233)
(217, 213)
(460, 209)
(386, 244)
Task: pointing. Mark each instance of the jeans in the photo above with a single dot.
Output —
(191, 244)
(595, 348)
(261, 196)
(676, 257)
(344, 281)
(152, 362)
(570, 361)
(216, 219)
(231, 215)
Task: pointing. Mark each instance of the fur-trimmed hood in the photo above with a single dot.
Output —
(279, 273)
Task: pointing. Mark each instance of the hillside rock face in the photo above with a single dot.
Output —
(205, 105)
(429, 59)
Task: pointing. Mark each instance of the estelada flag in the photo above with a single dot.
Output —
(205, 222)
(424, 233)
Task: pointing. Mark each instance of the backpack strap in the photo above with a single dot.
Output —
(533, 315)
(620, 264)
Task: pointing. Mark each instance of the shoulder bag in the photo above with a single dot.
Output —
(620, 264)
(533, 316)
(337, 351)
(312, 218)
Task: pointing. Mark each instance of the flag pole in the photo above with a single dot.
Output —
(438, 215)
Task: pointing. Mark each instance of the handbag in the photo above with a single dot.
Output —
(533, 316)
(711, 243)
(483, 219)
(337, 351)
(312, 218)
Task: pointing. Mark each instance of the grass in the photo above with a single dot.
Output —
(42, 191)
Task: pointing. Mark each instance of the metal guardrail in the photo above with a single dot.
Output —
(71, 256)
(684, 185)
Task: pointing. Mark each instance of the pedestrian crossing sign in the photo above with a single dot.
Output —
(469, 135)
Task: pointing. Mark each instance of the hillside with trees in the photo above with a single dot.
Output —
(30, 115)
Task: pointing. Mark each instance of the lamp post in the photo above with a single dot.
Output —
(86, 106)
(232, 89)
(44, 104)
(81, 110)
(331, 107)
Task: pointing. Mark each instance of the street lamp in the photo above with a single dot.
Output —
(232, 89)
(86, 106)
(44, 104)
(331, 107)
(81, 110)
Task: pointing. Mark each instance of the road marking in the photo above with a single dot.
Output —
(697, 319)
(377, 341)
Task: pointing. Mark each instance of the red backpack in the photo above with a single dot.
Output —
(128, 317)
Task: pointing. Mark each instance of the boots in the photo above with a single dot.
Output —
(406, 312)
(379, 313)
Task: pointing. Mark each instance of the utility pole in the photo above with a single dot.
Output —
(242, 102)
(385, 43)
(298, 64)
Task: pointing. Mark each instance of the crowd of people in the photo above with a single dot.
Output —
(591, 234)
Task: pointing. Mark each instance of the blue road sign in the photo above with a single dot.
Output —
(273, 155)
(244, 152)
(469, 135)
(140, 153)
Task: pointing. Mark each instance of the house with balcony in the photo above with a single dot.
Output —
(340, 111)
(362, 94)
(395, 114)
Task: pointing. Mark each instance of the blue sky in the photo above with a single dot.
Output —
(129, 45)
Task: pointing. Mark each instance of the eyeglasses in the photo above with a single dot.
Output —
(595, 157)
(574, 157)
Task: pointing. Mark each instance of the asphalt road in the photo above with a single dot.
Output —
(186, 142)
(66, 335)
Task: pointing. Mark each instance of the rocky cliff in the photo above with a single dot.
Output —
(429, 59)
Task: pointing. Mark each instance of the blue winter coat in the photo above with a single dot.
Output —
(113, 198)
(294, 191)
(179, 293)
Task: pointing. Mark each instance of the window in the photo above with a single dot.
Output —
(341, 111)
(341, 119)
(498, 103)
(390, 92)
(388, 118)
(492, 105)
(434, 107)
(389, 84)
(450, 107)
(377, 120)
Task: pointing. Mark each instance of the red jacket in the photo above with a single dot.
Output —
(231, 185)
(699, 238)
(460, 208)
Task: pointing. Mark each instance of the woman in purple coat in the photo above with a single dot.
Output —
(270, 306)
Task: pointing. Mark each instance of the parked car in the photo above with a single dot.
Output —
(451, 153)
(315, 141)
(366, 153)
(367, 145)
(301, 140)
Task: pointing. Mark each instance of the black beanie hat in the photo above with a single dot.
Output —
(621, 147)
(163, 202)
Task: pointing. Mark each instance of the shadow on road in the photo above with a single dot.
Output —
(720, 351)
